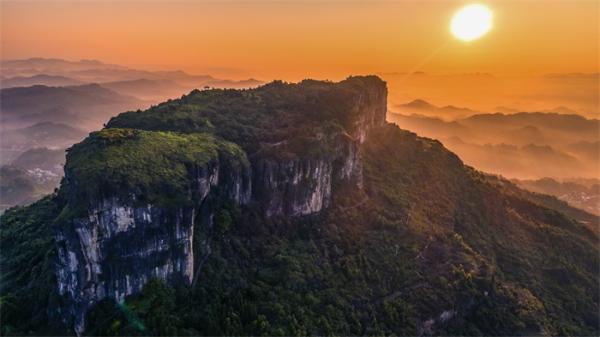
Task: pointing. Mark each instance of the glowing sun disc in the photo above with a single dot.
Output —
(471, 22)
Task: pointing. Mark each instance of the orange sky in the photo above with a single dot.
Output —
(297, 39)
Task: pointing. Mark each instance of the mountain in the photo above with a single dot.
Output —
(578, 194)
(33, 174)
(16, 187)
(517, 145)
(552, 121)
(588, 151)
(50, 66)
(529, 127)
(529, 161)
(147, 89)
(433, 127)
(87, 106)
(41, 79)
(290, 209)
(151, 87)
(559, 110)
(495, 93)
(421, 107)
(19, 186)
(418, 104)
(562, 110)
(92, 71)
(505, 110)
(41, 158)
(45, 134)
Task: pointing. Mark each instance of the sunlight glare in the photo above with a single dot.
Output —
(471, 22)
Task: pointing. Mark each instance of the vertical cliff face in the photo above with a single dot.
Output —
(117, 236)
(115, 251)
(135, 196)
(303, 185)
(295, 187)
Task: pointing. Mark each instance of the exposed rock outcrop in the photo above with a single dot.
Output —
(115, 242)
(121, 243)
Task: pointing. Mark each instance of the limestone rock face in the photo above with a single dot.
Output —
(304, 186)
(120, 244)
(122, 240)
(115, 251)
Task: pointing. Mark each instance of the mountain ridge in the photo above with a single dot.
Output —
(307, 214)
(481, 141)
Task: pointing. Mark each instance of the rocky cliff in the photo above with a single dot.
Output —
(134, 196)
(118, 230)
(290, 209)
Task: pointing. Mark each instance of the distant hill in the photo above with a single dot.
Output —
(559, 109)
(20, 187)
(562, 93)
(50, 66)
(44, 134)
(575, 193)
(417, 104)
(149, 89)
(518, 128)
(422, 107)
(41, 158)
(150, 86)
(588, 151)
(33, 174)
(528, 161)
(93, 71)
(86, 106)
(551, 121)
(525, 145)
(42, 79)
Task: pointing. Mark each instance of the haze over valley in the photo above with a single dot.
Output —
(47, 105)
(51, 104)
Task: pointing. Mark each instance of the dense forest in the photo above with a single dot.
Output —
(423, 246)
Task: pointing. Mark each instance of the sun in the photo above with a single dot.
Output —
(471, 22)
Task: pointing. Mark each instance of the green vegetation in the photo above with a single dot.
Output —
(156, 167)
(428, 246)
(428, 239)
(278, 119)
(548, 260)
(27, 281)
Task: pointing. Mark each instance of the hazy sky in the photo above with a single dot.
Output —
(297, 39)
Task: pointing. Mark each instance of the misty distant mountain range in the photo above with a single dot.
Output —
(451, 112)
(57, 72)
(50, 104)
(581, 193)
(567, 93)
(546, 150)
(47, 105)
(526, 145)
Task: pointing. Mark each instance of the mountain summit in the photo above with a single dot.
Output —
(291, 209)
